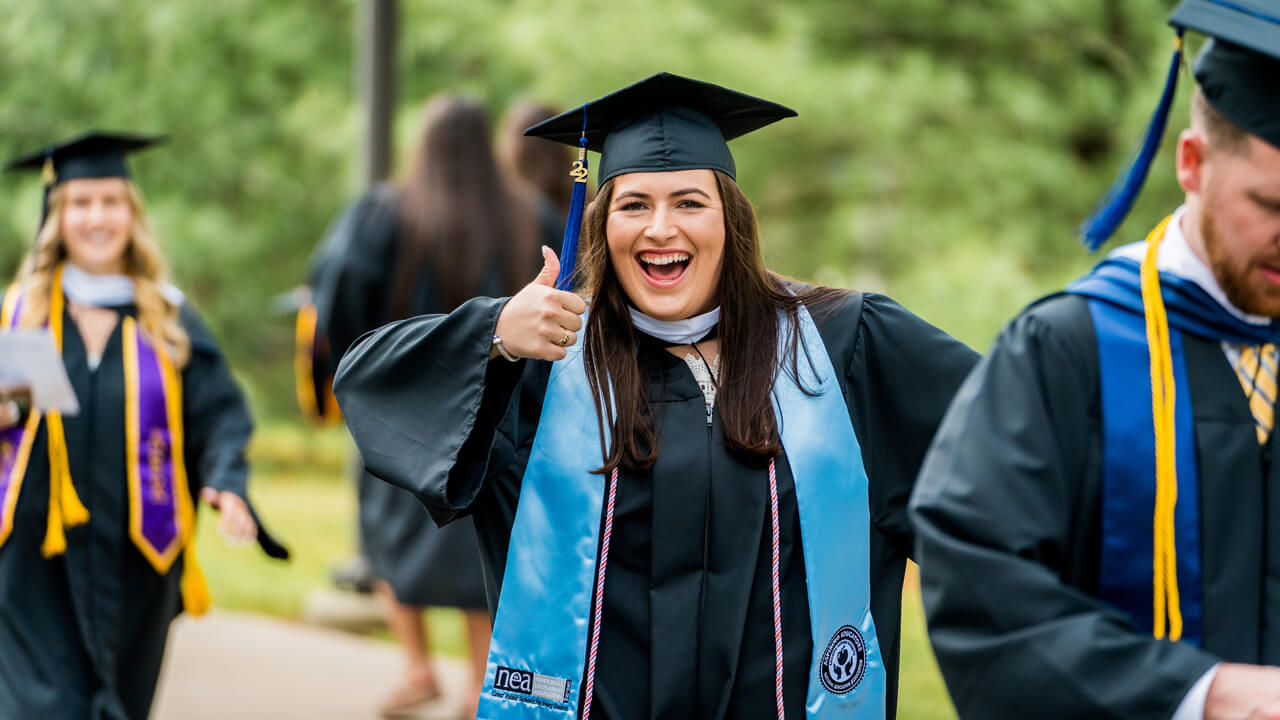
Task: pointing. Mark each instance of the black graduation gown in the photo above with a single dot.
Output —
(1008, 516)
(82, 634)
(351, 281)
(688, 615)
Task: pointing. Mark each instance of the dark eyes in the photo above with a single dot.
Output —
(686, 204)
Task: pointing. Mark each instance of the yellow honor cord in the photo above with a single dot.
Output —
(65, 508)
(303, 375)
(1166, 605)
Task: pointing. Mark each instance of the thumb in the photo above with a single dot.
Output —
(550, 268)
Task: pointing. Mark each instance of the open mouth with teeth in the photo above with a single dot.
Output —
(663, 268)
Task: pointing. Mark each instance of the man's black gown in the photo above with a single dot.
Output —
(1008, 515)
(82, 634)
(687, 611)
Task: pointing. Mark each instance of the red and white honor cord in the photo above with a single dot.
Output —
(777, 595)
(590, 684)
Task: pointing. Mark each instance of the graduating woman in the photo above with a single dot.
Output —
(97, 549)
(691, 500)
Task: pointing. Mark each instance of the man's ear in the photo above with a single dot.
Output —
(1193, 151)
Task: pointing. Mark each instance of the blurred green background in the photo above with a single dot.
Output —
(944, 153)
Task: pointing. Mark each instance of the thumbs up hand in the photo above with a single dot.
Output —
(540, 321)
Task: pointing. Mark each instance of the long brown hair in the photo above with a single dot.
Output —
(457, 213)
(751, 300)
(142, 261)
(541, 164)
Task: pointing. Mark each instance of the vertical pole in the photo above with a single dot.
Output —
(376, 80)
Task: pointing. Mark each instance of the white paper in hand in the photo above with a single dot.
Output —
(31, 358)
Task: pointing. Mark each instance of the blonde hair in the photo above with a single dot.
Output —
(157, 316)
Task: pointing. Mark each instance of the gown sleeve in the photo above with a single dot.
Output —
(424, 404)
(903, 374)
(996, 510)
(216, 423)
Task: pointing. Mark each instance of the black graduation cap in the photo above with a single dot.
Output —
(1237, 71)
(92, 155)
(664, 122)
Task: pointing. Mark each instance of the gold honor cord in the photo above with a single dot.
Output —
(303, 374)
(1166, 605)
(65, 508)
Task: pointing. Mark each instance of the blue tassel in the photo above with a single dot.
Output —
(573, 225)
(1120, 198)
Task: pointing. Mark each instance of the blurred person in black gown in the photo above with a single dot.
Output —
(453, 229)
(97, 551)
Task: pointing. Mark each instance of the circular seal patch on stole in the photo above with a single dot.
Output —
(844, 662)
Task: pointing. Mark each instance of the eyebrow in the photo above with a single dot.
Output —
(677, 193)
(1265, 198)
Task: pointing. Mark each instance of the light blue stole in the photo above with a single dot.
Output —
(539, 646)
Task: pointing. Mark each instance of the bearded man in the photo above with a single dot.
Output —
(1098, 520)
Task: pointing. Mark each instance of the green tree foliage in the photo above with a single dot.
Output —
(944, 153)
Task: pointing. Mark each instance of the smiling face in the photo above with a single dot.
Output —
(665, 232)
(97, 222)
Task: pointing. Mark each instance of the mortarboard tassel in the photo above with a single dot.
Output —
(573, 225)
(1120, 198)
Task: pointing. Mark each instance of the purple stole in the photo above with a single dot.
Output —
(159, 497)
(161, 509)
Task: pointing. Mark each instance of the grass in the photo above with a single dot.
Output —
(301, 489)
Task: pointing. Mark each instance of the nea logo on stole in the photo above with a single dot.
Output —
(523, 682)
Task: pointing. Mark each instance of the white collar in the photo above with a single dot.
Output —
(106, 290)
(676, 332)
(1177, 258)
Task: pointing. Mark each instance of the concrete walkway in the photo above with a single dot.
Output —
(251, 667)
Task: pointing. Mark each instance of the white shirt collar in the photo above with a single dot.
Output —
(1177, 258)
(106, 290)
(676, 332)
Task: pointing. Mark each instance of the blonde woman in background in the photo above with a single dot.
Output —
(96, 535)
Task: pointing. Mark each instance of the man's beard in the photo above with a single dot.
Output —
(1232, 274)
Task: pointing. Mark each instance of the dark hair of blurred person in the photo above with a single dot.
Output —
(456, 210)
(540, 164)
